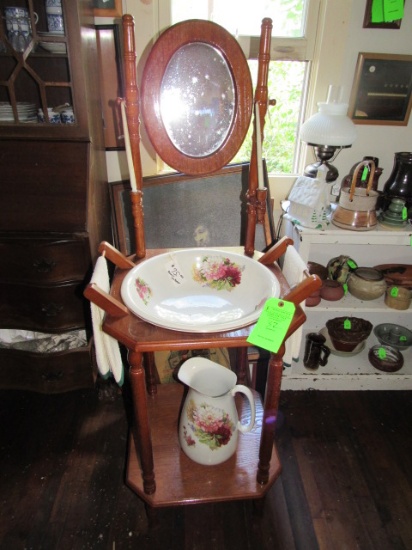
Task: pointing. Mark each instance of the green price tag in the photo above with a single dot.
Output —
(347, 325)
(345, 288)
(386, 11)
(404, 213)
(365, 172)
(352, 264)
(382, 353)
(272, 325)
(394, 291)
(402, 338)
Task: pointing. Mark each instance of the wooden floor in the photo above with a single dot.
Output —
(346, 481)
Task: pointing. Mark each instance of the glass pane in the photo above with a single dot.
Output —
(288, 16)
(197, 99)
(286, 84)
(35, 79)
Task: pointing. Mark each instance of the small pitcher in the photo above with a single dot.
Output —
(209, 425)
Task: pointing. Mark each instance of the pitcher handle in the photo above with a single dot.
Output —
(244, 428)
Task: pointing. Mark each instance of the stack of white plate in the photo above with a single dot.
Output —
(53, 47)
(26, 111)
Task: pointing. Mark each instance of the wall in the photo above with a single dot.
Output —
(340, 42)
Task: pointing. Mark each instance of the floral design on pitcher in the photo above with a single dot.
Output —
(209, 425)
(143, 290)
(218, 272)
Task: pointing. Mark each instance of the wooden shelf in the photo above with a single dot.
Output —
(367, 248)
(179, 480)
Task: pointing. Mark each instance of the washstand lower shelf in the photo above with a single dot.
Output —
(179, 480)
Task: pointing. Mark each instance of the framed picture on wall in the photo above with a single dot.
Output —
(107, 8)
(184, 211)
(382, 89)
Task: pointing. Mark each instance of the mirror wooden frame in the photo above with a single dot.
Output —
(174, 38)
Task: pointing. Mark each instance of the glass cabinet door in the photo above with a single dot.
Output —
(36, 84)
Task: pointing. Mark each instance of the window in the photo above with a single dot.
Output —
(323, 47)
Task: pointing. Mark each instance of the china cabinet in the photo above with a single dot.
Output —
(53, 187)
(367, 249)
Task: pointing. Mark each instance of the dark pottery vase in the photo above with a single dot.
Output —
(399, 184)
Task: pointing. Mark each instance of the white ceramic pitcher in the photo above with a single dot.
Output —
(209, 425)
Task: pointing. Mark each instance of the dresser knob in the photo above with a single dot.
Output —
(52, 376)
(51, 310)
(44, 266)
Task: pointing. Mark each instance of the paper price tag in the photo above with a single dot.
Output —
(382, 353)
(347, 325)
(394, 291)
(174, 272)
(272, 326)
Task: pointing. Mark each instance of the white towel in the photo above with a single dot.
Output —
(108, 356)
(293, 269)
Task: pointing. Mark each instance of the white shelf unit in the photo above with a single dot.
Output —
(368, 249)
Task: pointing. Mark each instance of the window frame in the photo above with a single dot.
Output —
(320, 48)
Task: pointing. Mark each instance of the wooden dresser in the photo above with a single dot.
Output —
(54, 197)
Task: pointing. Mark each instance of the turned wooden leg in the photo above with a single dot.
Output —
(270, 412)
(144, 440)
(242, 367)
(150, 370)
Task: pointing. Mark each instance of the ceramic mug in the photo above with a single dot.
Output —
(316, 353)
(55, 23)
(18, 26)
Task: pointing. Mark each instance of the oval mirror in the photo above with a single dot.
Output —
(196, 97)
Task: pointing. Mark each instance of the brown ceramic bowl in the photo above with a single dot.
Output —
(318, 269)
(313, 300)
(346, 339)
(385, 358)
(331, 290)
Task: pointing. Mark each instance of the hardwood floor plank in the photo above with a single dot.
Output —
(346, 458)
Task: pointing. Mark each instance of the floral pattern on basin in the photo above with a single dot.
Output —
(143, 290)
(218, 272)
(208, 425)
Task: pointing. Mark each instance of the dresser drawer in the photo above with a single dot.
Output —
(47, 372)
(48, 191)
(44, 260)
(44, 308)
